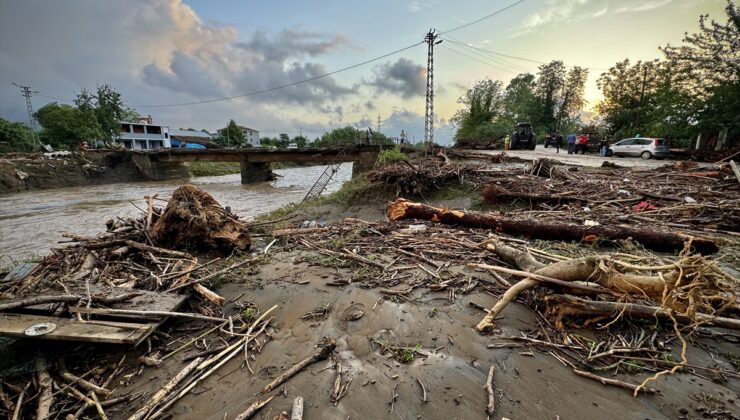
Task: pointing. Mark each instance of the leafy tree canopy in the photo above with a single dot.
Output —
(65, 126)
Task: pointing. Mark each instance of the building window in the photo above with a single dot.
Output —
(125, 128)
(138, 129)
(154, 129)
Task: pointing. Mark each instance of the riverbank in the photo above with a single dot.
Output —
(28, 172)
(401, 300)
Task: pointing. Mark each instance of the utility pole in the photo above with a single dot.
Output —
(378, 129)
(431, 40)
(27, 93)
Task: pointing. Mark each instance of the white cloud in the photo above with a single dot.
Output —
(643, 6)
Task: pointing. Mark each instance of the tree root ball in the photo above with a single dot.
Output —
(194, 220)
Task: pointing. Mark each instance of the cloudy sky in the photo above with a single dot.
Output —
(168, 52)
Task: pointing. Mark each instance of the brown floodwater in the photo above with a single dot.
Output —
(32, 222)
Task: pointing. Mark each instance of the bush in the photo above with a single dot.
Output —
(388, 156)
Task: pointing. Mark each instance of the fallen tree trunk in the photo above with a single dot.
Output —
(659, 241)
(561, 306)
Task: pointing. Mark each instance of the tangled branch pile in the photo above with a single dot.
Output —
(425, 175)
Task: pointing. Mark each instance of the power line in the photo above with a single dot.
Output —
(515, 57)
(486, 54)
(478, 60)
(483, 18)
(244, 95)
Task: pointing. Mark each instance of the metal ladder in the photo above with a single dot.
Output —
(320, 185)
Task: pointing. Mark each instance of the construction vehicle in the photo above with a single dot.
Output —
(523, 137)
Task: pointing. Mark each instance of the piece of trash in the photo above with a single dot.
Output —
(590, 223)
(21, 175)
(623, 192)
(642, 206)
(626, 180)
(689, 199)
(587, 209)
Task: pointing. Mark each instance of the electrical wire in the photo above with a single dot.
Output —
(272, 89)
(483, 18)
(244, 95)
(478, 60)
(495, 59)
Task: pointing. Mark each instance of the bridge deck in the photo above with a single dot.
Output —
(261, 155)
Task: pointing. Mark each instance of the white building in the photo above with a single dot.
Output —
(144, 136)
(251, 136)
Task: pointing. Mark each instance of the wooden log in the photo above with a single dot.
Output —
(296, 231)
(212, 275)
(46, 397)
(561, 306)
(297, 412)
(166, 389)
(491, 407)
(659, 241)
(322, 354)
(612, 382)
(38, 300)
(209, 294)
(253, 408)
(84, 384)
(100, 311)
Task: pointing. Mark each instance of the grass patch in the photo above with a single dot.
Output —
(213, 168)
(388, 156)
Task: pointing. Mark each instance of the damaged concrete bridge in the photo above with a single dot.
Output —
(255, 162)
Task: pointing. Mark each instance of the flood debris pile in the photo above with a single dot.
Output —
(425, 174)
(119, 287)
(682, 197)
(624, 292)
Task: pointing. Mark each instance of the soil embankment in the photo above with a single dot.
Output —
(26, 172)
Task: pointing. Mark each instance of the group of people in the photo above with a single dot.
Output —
(577, 143)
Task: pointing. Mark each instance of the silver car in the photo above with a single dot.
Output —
(644, 147)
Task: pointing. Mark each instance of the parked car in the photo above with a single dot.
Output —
(644, 147)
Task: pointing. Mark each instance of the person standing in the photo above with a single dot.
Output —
(558, 141)
(571, 143)
(581, 144)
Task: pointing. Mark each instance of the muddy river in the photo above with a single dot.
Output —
(32, 222)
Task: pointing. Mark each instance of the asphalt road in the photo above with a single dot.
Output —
(581, 160)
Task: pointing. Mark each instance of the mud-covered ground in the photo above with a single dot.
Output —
(529, 383)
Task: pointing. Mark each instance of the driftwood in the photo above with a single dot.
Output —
(46, 397)
(101, 311)
(297, 412)
(84, 384)
(613, 382)
(561, 306)
(194, 218)
(494, 194)
(322, 354)
(39, 300)
(659, 241)
(166, 389)
(253, 408)
(491, 407)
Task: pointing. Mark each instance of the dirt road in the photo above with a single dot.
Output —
(582, 160)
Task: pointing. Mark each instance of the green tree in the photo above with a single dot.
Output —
(284, 140)
(107, 106)
(571, 98)
(520, 103)
(67, 126)
(550, 82)
(231, 136)
(15, 137)
(300, 141)
(340, 136)
(481, 105)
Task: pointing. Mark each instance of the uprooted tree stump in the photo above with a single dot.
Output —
(193, 219)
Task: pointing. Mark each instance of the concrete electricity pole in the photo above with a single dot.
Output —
(27, 93)
(431, 40)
